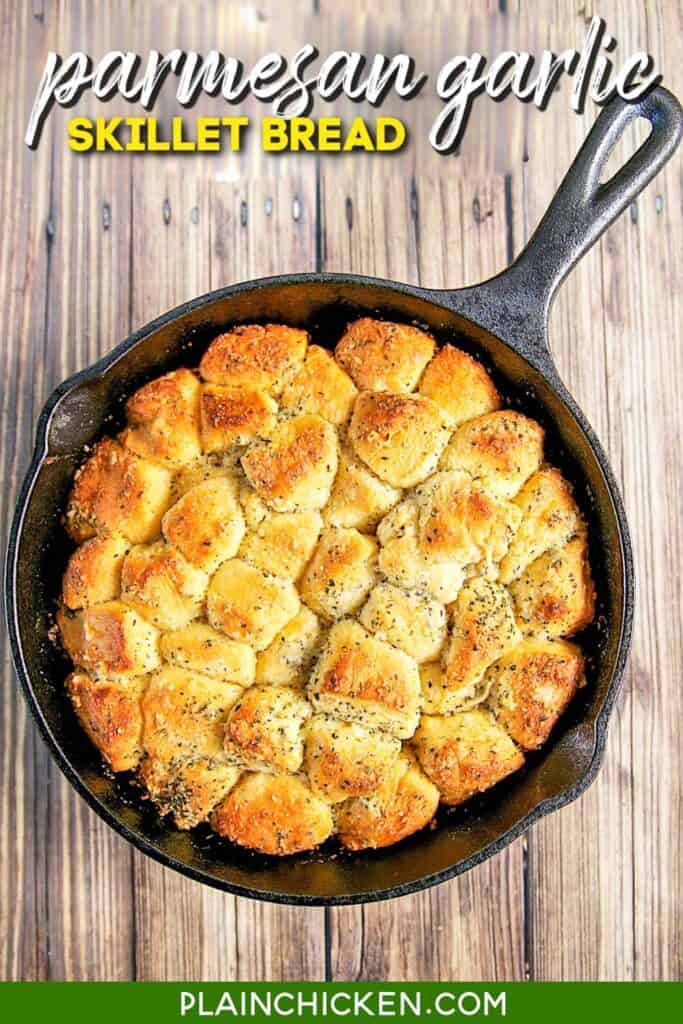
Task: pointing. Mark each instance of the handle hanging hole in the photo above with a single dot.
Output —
(630, 142)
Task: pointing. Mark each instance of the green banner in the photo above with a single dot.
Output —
(260, 1002)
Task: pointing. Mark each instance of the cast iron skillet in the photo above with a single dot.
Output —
(504, 320)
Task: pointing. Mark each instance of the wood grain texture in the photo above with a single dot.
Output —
(613, 336)
(23, 285)
(94, 247)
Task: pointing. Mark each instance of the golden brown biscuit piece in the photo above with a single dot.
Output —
(400, 437)
(200, 648)
(189, 790)
(281, 542)
(340, 574)
(163, 419)
(403, 804)
(460, 385)
(159, 584)
(263, 730)
(343, 759)
(110, 639)
(459, 522)
(250, 605)
(234, 416)
(184, 716)
(117, 492)
(550, 518)
(406, 564)
(295, 468)
(466, 753)
(555, 595)
(362, 679)
(320, 387)
(109, 711)
(93, 574)
(359, 499)
(407, 619)
(185, 770)
(531, 686)
(382, 356)
(206, 525)
(261, 358)
(437, 698)
(500, 451)
(483, 630)
(198, 472)
(287, 660)
(276, 814)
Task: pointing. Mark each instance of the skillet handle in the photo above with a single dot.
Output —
(515, 304)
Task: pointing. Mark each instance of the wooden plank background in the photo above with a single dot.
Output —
(92, 247)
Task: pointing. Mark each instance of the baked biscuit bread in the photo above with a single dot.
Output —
(465, 753)
(530, 687)
(343, 759)
(294, 469)
(438, 698)
(255, 357)
(110, 639)
(408, 619)
(206, 524)
(109, 711)
(549, 519)
(500, 451)
(159, 584)
(382, 356)
(359, 499)
(93, 574)
(405, 802)
(190, 789)
(184, 767)
(248, 604)
(163, 419)
(206, 468)
(117, 492)
(320, 387)
(276, 814)
(460, 385)
(362, 679)
(233, 416)
(200, 648)
(184, 715)
(406, 563)
(280, 542)
(263, 730)
(318, 592)
(555, 595)
(483, 629)
(400, 437)
(288, 658)
(441, 697)
(340, 573)
(460, 522)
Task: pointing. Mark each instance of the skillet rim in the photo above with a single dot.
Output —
(536, 356)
